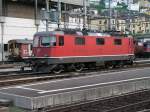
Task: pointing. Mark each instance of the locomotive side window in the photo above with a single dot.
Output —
(100, 41)
(80, 41)
(61, 41)
(45, 41)
(31, 47)
(117, 41)
(48, 41)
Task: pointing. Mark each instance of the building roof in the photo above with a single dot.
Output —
(71, 2)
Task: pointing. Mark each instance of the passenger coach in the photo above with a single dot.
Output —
(60, 50)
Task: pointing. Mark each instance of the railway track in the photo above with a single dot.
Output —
(16, 78)
(133, 102)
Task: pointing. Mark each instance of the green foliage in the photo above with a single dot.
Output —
(99, 6)
(121, 7)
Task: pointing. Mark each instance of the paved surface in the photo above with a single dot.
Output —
(54, 87)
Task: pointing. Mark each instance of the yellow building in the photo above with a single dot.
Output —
(102, 24)
(144, 6)
(99, 23)
(139, 25)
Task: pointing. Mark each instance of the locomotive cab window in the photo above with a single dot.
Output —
(100, 41)
(117, 41)
(48, 41)
(61, 41)
(79, 41)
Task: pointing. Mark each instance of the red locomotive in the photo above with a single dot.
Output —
(60, 50)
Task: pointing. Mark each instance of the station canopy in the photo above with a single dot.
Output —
(73, 2)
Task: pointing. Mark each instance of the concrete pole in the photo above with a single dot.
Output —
(2, 42)
(2, 29)
(129, 17)
(37, 22)
(65, 16)
(47, 9)
(59, 13)
(109, 20)
(85, 13)
(1, 7)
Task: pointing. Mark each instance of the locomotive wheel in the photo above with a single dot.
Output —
(34, 68)
(121, 64)
(109, 65)
(58, 69)
(78, 67)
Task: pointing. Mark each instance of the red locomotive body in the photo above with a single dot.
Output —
(59, 49)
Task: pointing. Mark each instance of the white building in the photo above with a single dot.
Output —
(19, 19)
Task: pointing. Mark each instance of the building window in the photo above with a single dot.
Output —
(100, 41)
(61, 41)
(117, 41)
(147, 31)
(105, 22)
(80, 41)
(100, 22)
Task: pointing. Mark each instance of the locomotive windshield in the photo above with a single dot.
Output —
(48, 41)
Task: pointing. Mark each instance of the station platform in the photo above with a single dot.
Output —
(73, 90)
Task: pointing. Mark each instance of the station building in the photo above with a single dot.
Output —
(18, 18)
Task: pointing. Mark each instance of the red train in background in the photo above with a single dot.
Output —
(142, 48)
(70, 49)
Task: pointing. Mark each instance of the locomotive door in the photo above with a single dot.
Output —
(79, 46)
(131, 47)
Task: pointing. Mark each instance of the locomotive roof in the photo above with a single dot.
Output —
(82, 32)
(21, 41)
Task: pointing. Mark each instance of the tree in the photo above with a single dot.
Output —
(121, 7)
(99, 6)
